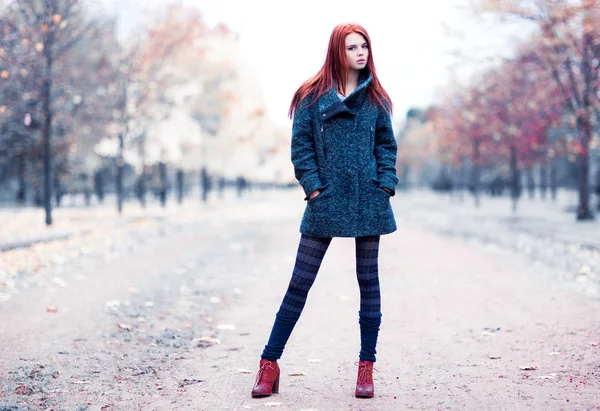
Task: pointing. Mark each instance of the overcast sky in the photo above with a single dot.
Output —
(414, 42)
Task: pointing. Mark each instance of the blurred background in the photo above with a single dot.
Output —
(154, 102)
(148, 204)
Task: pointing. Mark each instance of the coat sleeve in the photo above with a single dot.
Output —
(304, 157)
(386, 151)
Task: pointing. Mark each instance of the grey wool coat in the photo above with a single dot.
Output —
(347, 150)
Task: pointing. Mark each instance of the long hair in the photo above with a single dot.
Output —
(335, 69)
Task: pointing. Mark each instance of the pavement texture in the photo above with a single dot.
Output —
(174, 316)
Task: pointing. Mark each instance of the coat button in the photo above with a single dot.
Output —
(324, 115)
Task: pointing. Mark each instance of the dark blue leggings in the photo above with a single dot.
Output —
(311, 251)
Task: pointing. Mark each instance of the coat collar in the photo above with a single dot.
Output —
(331, 105)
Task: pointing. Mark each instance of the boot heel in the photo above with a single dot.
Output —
(276, 386)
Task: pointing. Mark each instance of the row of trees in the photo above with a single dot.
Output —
(533, 109)
(78, 102)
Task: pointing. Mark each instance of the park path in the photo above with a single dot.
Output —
(179, 323)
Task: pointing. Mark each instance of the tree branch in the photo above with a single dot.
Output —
(572, 81)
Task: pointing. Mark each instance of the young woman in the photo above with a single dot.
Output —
(344, 156)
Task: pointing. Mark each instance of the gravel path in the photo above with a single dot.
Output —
(179, 321)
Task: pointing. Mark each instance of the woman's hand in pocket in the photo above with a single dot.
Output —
(314, 194)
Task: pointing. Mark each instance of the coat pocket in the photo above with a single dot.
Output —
(322, 190)
(379, 187)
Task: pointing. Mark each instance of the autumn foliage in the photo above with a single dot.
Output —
(508, 117)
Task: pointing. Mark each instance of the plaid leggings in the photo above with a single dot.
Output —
(311, 251)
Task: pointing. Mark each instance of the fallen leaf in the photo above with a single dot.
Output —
(189, 382)
(245, 371)
(547, 377)
(51, 309)
(528, 367)
(125, 327)
(494, 357)
(23, 390)
(491, 329)
(208, 340)
(296, 374)
(594, 344)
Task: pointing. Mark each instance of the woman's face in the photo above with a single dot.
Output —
(357, 51)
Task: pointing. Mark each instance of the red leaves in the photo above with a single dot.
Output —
(23, 390)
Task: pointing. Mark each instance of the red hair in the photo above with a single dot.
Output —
(335, 69)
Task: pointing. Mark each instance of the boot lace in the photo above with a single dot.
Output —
(364, 372)
(262, 369)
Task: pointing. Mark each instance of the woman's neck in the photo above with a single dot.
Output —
(351, 81)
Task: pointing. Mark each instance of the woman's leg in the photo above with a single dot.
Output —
(311, 251)
(367, 254)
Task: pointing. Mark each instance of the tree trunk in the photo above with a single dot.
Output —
(57, 190)
(221, 187)
(476, 171)
(241, 185)
(180, 177)
(99, 186)
(553, 180)
(22, 189)
(142, 187)
(598, 188)
(120, 165)
(514, 178)
(543, 179)
(205, 181)
(585, 132)
(530, 182)
(87, 196)
(38, 198)
(463, 182)
(584, 125)
(162, 169)
(47, 135)
(142, 183)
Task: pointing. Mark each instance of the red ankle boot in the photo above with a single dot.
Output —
(364, 381)
(267, 379)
